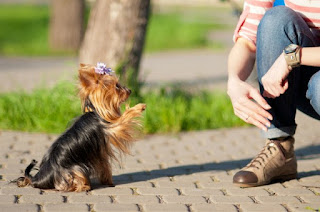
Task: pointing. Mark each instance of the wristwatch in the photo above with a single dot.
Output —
(292, 55)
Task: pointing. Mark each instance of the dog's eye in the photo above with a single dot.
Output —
(117, 86)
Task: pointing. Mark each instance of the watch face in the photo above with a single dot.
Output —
(291, 48)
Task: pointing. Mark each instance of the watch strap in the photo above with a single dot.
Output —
(293, 58)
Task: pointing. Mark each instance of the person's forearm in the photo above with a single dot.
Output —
(241, 60)
(310, 56)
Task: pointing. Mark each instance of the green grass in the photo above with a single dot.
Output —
(24, 31)
(168, 110)
(174, 30)
(43, 110)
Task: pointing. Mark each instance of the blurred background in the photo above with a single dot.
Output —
(54, 31)
(172, 53)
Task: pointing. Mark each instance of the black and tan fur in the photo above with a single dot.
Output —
(88, 147)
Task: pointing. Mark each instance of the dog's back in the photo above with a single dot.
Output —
(72, 157)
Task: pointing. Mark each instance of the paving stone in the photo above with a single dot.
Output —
(311, 199)
(177, 184)
(291, 191)
(293, 184)
(138, 199)
(165, 207)
(217, 185)
(134, 185)
(104, 207)
(6, 199)
(262, 207)
(214, 207)
(89, 199)
(19, 208)
(41, 199)
(158, 191)
(66, 207)
(246, 191)
(231, 199)
(20, 191)
(304, 207)
(277, 199)
(183, 199)
(112, 191)
(202, 192)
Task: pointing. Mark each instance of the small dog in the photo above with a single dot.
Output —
(88, 147)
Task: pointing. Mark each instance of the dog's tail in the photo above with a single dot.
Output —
(27, 179)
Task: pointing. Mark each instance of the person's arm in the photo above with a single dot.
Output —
(240, 64)
(275, 80)
(241, 60)
(310, 56)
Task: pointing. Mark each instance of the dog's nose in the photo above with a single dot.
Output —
(129, 91)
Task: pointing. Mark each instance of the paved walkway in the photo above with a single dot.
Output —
(184, 172)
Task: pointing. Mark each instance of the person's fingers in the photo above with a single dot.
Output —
(241, 115)
(267, 94)
(285, 85)
(255, 95)
(250, 119)
(256, 112)
(275, 90)
(255, 108)
(257, 123)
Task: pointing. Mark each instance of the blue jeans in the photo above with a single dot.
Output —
(280, 27)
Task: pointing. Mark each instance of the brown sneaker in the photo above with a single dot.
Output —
(275, 162)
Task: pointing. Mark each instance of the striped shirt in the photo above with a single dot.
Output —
(253, 11)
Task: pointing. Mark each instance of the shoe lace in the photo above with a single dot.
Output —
(263, 156)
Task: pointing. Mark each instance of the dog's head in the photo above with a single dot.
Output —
(100, 91)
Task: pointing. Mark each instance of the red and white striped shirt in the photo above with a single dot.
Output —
(254, 10)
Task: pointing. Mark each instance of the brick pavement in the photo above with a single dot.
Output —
(182, 172)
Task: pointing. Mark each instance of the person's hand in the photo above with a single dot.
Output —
(254, 112)
(275, 80)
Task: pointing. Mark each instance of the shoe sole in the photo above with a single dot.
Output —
(281, 178)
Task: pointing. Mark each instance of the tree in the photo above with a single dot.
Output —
(66, 24)
(116, 34)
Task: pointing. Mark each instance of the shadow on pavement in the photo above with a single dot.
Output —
(305, 153)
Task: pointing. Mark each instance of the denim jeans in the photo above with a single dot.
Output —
(280, 27)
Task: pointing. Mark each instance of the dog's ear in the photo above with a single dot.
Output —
(82, 65)
(87, 76)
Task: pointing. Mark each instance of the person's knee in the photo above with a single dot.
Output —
(313, 93)
(277, 19)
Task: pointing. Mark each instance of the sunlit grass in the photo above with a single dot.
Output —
(168, 110)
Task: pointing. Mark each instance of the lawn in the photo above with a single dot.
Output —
(24, 30)
(168, 110)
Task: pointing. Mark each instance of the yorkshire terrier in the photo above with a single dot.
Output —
(89, 146)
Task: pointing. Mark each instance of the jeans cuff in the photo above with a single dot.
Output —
(279, 132)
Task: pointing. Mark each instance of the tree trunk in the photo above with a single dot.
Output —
(115, 35)
(66, 24)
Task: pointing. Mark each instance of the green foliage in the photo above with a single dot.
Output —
(175, 31)
(174, 110)
(24, 31)
(168, 110)
(43, 110)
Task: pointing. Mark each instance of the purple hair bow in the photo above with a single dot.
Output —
(101, 68)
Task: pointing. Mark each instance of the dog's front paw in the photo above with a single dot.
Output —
(141, 107)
